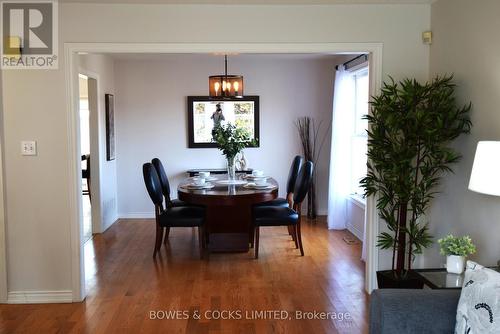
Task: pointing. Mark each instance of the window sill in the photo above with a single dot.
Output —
(358, 200)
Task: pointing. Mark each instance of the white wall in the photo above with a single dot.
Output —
(466, 44)
(103, 183)
(38, 208)
(151, 117)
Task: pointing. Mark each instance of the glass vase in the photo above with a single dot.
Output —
(231, 170)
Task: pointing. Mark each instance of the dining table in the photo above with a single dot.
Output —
(228, 220)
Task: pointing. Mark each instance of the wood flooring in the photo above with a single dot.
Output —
(129, 292)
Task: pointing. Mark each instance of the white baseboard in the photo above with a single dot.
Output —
(136, 215)
(357, 233)
(112, 221)
(39, 297)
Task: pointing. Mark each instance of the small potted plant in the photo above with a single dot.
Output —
(456, 249)
(231, 140)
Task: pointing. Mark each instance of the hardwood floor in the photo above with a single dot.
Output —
(125, 285)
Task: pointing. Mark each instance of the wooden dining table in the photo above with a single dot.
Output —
(228, 211)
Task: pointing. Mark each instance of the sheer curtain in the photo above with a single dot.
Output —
(340, 156)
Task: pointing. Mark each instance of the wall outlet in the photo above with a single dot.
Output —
(28, 147)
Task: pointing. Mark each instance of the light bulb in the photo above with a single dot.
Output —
(236, 85)
(224, 86)
(228, 85)
(217, 86)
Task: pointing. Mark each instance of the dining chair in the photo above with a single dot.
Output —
(290, 184)
(182, 216)
(285, 216)
(165, 185)
(86, 175)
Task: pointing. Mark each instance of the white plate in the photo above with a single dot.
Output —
(254, 186)
(193, 186)
(210, 178)
(251, 177)
(231, 182)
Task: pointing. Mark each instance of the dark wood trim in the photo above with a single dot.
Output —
(110, 111)
(191, 99)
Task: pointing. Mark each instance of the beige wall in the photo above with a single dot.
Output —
(466, 44)
(35, 106)
(151, 117)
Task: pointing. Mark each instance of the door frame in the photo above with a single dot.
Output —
(71, 71)
(3, 245)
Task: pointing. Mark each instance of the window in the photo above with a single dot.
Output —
(359, 139)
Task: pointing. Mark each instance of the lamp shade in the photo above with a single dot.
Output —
(485, 176)
(224, 85)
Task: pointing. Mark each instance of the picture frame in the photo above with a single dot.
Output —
(204, 112)
(110, 127)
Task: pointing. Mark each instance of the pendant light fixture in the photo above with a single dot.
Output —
(224, 85)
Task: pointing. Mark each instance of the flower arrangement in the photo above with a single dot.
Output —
(231, 139)
(459, 246)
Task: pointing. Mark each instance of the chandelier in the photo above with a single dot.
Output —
(224, 85)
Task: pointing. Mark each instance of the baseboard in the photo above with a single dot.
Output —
(357, 233)
(136, 215)
(112, 221)
(39, 297)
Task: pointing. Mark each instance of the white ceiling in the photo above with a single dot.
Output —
(257, 2)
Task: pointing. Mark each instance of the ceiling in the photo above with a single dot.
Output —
(256, 2)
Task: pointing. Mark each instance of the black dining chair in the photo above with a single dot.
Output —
(86, 175)
(290, 185)
(183, 216)
(165, 185)
(285, 216)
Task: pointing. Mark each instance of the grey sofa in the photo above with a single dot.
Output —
(398, 311)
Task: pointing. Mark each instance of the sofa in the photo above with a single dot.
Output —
(398, 311)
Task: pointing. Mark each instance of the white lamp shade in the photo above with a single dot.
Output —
(485, 176)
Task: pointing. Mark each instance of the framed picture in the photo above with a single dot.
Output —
(204, 113)
(110, 127)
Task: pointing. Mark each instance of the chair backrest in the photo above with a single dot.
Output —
(292, 174)
(303, 182)
(152, 182)
(165, 185)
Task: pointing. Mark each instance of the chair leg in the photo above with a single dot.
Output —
(159, 237)
(294, 235)
(251, 236)
(200, 241)
(299, 237)
(88, 188)
(167, 233)
(257, 230)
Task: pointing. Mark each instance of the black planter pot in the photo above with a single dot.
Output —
(387, 279)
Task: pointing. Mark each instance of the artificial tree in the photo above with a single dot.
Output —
(411, 126)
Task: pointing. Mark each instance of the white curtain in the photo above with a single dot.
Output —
(340, 157)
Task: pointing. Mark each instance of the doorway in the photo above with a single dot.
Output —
(89, 155)
(84, 113)
(73, 49)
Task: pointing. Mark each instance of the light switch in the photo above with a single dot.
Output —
(28, 147)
